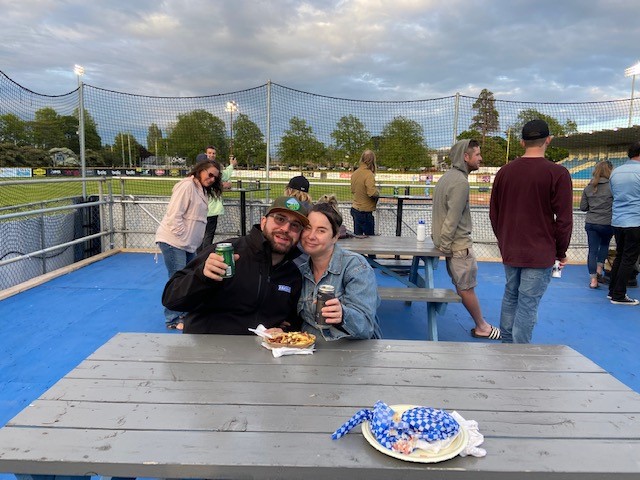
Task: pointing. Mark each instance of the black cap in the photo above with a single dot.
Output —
(535, 129)
(299, 183)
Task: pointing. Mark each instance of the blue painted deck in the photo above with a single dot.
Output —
(51, 328)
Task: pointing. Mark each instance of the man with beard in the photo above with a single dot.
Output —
(264, 289)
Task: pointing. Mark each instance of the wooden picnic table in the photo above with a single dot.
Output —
(210, 406)
(437, 299)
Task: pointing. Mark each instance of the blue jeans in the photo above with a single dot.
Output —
(363, 222)
(522, 294)
(174, 259)
(598, 238)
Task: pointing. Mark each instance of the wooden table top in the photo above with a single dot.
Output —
(391, 245)
(210, 406)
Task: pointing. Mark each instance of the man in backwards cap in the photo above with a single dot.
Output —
(266, 285)
(531, 213)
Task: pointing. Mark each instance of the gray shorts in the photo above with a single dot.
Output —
(463, 269)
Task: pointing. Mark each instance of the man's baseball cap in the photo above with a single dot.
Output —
(535, 129)
(201, 157)
(299, 183)
(290, 205)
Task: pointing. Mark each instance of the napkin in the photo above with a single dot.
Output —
(281, 351)
(475, 437)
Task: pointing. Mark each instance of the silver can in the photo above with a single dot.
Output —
(325, 292)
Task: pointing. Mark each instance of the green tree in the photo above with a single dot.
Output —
(487, 118)
(92, 140)
(351, 138)
(249, 146)
(555, 128)
(23, 156)
(299, 146)
(48, 129)
(494, 150)
(127, 150)
(154, 139)
(13, 129)
(402, 145)
(195, 130)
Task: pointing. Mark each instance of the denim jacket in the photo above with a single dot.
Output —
(355, 287)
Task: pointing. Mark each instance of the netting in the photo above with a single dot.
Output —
(277, 132)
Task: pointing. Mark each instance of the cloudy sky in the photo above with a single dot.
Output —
(543, 51)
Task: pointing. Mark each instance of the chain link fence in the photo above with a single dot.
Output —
(42, 236)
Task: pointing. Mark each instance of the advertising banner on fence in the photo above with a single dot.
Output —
(15, 172)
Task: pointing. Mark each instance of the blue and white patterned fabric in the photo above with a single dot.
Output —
(418, 423)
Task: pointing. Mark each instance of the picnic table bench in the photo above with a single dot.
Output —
(436, 298)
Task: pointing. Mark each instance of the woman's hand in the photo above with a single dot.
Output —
(332, 311)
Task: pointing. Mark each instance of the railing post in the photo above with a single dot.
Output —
(456, 113)
(83, 160)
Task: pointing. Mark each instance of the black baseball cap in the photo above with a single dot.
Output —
(299, 183)
(535, 129)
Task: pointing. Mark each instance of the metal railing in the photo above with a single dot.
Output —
(37, 237)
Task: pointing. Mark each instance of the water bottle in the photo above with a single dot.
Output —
(422, 231)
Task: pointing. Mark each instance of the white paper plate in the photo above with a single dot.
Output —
(420, 456)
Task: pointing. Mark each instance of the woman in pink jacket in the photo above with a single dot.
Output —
(182, 228)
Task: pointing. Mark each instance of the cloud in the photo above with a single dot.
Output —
(408, 49)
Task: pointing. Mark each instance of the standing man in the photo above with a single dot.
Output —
(365, 195)
(531, 214)
(264, 289)
(451, 231)
(625, 186)
(216, 207)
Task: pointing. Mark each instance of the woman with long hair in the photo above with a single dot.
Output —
(597, 201)
(365, 195)
(352, 313)
(182, 228)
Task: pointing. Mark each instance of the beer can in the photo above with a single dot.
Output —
(325, 292)
(225, 250)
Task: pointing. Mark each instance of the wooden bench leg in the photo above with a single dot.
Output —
(433, 310)
(432, 321)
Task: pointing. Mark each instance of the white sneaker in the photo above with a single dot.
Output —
(625, 301)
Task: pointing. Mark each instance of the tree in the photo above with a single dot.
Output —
(92, 140)
(486, 120)
(194, 131)
(555, 128)
(48, 129)
(127, 149)
(299, 146)
(494, 150)
(249, 146)
(154, 139)
(351, 137)
(402, 144)
(13, 130)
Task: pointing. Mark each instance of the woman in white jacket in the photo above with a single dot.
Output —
(182, 228)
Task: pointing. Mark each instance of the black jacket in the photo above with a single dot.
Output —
(259, 293)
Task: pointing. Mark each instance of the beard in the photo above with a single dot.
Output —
(278, 247)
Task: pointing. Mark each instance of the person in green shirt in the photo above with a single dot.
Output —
(216, 207)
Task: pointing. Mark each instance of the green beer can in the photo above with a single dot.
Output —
(225, 250)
